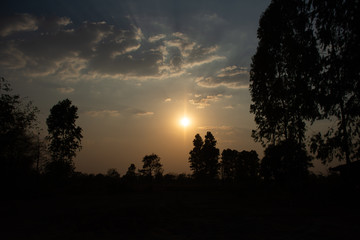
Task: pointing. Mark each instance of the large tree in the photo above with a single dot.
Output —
(204, 158)
(65, 137)
(338, 34)
(282, 70)
(18, 144)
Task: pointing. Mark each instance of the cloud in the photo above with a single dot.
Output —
(17, 23)
(66, 90)
(168, 100)
(55, 48)
(204, 101)
(144, 114)
(231, 77)
(104, 113)
(156, 38)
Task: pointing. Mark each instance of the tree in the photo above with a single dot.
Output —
(152, 166)
(131, 172)
(285, 163)
(204, 157)
(65, 137)
(282, 70)
(239, 165)
(228, 164)
(338, 34)
(247, 165)
(19, 145)
(113, 173)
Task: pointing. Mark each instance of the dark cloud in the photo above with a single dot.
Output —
(54, 45)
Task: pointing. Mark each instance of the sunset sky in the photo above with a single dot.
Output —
(134, 69)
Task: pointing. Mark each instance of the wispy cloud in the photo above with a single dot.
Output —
(231, 77)
(204, 101)
(104, 113)
(66, 90)
(144, 114)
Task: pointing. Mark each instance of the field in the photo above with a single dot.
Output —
(182, 213)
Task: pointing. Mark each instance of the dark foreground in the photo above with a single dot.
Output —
(183, 213)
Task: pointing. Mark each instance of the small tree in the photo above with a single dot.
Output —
(113, 173)
(65, 137)
(131, 172)
(152, 166)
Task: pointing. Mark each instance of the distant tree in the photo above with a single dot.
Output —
(65, 138)
(131, 172)
(204, 157)
(239, 165)
(228, 164)
(283, 69)
(19, 145)
(338, 35)
(285, 163)
(152, 166)
(112, 173)
(247, 165)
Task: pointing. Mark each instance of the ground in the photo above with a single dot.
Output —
(186, 213)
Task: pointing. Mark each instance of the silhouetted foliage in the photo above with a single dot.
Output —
(113, 173)
(228, 164)
(282, 71)
(19, 145)
(65, 137)
(131, 172)
(204, 158)
(338, 34)
(239, 166)
(152, 166)
(247, 166)
(286, 163)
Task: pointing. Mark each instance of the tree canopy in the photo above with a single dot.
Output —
(18, 143)
(64, 135)
(204, 157)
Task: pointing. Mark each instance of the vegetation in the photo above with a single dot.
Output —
(65, 138)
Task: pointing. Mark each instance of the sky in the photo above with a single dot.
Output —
(134, 69)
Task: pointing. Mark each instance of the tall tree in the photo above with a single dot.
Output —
(338, 34)
(64, 135)
(18, 118)
(204, 158)
(152, 166)
(282, 70)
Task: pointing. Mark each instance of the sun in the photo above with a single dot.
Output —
(185, 121)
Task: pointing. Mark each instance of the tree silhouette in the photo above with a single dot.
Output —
(65, 138)
(282, 70)
(18, 142)
(152, 166)
(247, 165)
(228, 164)
(239, 166)
(131, 172)
(286, 163)
(204, 157)
(338, 34)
